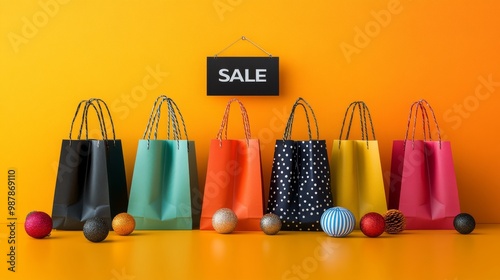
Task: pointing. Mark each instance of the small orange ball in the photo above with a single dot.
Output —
(123, 224)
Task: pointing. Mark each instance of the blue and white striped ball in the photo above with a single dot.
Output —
(337, 221)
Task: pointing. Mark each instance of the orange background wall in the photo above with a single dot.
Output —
(388, 53)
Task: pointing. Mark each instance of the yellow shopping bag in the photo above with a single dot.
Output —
(357, 182)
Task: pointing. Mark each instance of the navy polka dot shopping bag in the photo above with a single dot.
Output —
(300, 189)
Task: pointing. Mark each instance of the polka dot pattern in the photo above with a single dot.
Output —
(300, 189)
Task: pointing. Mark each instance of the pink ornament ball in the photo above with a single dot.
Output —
(38, 224)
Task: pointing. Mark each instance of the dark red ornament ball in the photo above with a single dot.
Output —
(38, 224)
(372, 224)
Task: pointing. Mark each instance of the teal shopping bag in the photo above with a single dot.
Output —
(164, 192)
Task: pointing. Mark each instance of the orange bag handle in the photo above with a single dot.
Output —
(363, 113)
(426, 126)
(225, 121)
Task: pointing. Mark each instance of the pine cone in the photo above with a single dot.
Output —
(395, 221)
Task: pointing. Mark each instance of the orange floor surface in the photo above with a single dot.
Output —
(438, 254)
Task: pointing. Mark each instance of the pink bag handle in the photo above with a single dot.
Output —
(225, 122)
(426, 126)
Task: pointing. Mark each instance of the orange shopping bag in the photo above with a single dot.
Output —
(234, 177)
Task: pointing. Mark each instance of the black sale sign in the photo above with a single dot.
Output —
(242, 75)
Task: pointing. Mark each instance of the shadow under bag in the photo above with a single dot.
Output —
(164, 193)
(423, 182)
(300, 189)
(91, 179)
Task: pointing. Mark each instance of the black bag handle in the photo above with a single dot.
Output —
(74, 118)
(288, 129)
(84, 120)
(100, 115)
(98, 107)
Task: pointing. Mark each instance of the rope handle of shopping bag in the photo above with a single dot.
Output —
(154, 120)
(289, 124)
(173, 112)
(288, 129)
(155, 113)
(225, 122)
(363, 113)
(426, 127)
(84, 120)
(100, 115)
(74, 118)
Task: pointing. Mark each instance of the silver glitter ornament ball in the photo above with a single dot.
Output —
(270, 224)
(224, 220)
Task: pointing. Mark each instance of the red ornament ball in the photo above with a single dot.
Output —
(38, 224)
(372, 224)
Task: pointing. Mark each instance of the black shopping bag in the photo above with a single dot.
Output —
(91, 180)
(300, 189)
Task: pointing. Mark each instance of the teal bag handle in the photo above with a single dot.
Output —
(173, 124)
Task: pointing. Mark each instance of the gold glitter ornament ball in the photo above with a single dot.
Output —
(395, 221)
(270, 224)
(123, 224)
(224, 220)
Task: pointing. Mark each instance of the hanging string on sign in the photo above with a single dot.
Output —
(243, 38)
